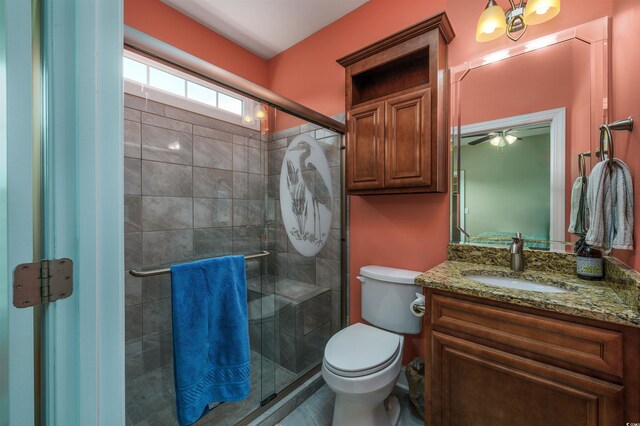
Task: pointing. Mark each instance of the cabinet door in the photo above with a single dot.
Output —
(365, 147)
(476, 385)
(408, 140)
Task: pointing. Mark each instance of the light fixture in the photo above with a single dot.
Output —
(498, 141)
(260, 111)
(510, 139)
(491, 24)
(503, 139)
(494, 22)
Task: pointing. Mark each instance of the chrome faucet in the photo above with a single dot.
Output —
(517, 257)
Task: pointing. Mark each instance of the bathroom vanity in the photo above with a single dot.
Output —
(498, 355)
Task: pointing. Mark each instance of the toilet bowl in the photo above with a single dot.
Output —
(362, 362)
(362, 381)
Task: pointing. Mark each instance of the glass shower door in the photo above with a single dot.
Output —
(303, 224)
(194, 189)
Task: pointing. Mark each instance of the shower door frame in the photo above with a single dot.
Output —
(157, 50)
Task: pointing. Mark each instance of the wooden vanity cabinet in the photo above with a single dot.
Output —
(397, 118)
(490, 363)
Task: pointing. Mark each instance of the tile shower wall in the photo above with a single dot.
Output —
(194, 188)
(307, 288)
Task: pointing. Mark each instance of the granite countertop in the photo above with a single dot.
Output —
(616, 299)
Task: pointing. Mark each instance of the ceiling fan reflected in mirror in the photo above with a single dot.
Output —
(505, 137)
(500, 139)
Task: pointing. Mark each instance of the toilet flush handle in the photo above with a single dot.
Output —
(361, 279)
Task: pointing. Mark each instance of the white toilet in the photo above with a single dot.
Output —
(362, 362)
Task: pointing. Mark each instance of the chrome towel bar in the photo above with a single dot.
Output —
(162, 271)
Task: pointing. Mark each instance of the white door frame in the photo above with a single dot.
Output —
(16, 210)
(84, 201)
(557, 119)
(83, 351)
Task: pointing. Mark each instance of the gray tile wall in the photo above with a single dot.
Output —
(194, 188)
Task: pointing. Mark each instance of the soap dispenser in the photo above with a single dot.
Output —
(517, 260)
(589, 261)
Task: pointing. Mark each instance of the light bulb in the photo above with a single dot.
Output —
(539, 11)
(489, 27)
(542, 10)
(260, 111)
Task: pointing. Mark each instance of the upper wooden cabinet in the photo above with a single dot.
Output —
(397, 118)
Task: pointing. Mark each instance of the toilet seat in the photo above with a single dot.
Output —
(360, 350)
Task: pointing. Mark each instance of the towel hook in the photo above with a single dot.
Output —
(604, 129)
(582, 163)
(624, 124)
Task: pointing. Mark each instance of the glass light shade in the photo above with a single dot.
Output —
(539, 11)
(260, 111)
(511, 139)
(491, 24)
(496, 141)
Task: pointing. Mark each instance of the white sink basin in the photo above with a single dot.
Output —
(516, 284)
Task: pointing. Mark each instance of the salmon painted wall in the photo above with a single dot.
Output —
(314, 58)
(167, 24)
(406, 231)
(625, 100)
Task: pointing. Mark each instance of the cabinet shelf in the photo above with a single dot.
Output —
(392, 77)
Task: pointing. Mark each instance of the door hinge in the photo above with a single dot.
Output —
(42, 282)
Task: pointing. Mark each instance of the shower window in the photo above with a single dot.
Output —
(167, 82)
(175, 87)
(202, 94)
(134, 70)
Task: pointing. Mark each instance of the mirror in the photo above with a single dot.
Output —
(520, 117)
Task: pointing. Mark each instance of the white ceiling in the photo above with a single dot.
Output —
(265, 27)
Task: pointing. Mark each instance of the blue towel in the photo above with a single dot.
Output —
(210, 335)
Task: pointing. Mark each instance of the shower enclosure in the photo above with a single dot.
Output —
(212, 171)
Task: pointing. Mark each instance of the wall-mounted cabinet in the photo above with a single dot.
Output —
(397, 118)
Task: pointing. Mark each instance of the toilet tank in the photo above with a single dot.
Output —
(386, 296)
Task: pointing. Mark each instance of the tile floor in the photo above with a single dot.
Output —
(150, 398)
(318, 410)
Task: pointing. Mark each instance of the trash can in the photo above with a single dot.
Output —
(415, 377)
